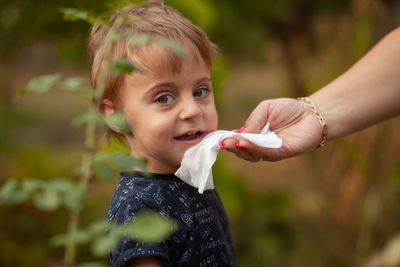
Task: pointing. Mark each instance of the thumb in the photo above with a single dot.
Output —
(257, 119)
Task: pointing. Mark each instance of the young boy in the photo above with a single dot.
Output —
(169, 106)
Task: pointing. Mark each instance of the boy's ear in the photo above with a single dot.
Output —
(106, 108)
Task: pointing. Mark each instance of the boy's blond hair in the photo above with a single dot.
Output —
(158, 22)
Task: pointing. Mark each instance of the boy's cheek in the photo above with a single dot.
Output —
(181, 154)
(215, 119)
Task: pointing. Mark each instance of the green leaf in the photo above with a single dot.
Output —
(103, 156)
(74, 84)
(113, 36)
(148, 227)
(73, 197)
(151, 227)
(74, 14)
(43, 83)
(140, 40)
(91, 93)
(126, 162)
(88, 118)
(117, 119)
(103, 245)
(104, 171)
(174, 46)
(95, 230)
(80, 237)
(69, 193)
(60, 184)
(123, 66)
(31, 185)
(46, 200)
(59, 240)
(120, 160)
(10, 193)
(99, 227)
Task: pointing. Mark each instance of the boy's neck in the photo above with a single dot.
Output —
(151, 166)
(164, 169)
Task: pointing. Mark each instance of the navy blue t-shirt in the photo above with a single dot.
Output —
(203, 237)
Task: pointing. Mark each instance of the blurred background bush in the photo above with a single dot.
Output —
(336, 206)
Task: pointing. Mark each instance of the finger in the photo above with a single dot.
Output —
(244, 154)
(229, 144)
(241, 151)
(257, 119)
(265, 153)
(240, 130)
(232, 145)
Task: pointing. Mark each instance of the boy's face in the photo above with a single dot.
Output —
(168, 113)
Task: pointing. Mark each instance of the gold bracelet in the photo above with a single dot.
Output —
(319, 117)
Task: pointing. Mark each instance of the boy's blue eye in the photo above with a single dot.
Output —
(164, 99)
(200, 92)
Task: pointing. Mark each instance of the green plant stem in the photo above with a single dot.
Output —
(85, 174)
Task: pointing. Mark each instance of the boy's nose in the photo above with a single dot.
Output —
(189, 110)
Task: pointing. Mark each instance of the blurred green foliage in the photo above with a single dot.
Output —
(263, 233)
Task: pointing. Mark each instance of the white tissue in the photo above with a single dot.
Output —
(197, 162)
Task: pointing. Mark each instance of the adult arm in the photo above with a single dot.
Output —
(369, 92)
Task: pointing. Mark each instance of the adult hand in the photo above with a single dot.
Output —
(290, 119)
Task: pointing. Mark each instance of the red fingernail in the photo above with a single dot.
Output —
(240, 130)
(238, 145)
(222, 146)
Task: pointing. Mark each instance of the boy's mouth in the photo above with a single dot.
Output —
(191, 136)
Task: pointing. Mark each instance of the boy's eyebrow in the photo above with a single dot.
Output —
(205, 79)
(171, 84)
(166, 84)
